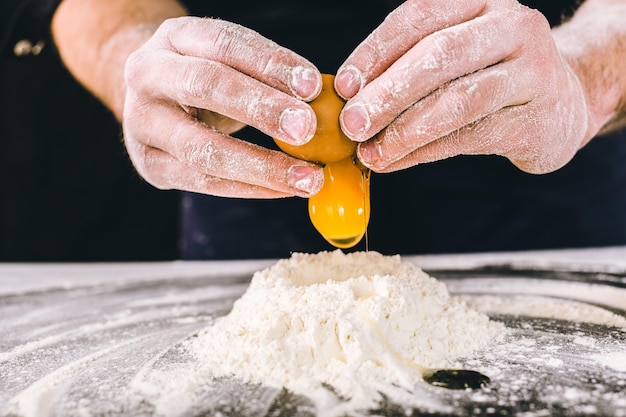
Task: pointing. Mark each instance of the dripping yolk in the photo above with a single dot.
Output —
(340, 211)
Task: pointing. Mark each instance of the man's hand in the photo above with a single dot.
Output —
(181, 85)
(198, 80)
(436, 80)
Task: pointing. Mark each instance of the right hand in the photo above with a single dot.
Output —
(198, 80)
(488, 79)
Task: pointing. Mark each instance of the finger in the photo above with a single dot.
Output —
(457, 104)
(166, 172)
(435, 61)
(483, 137)
(213, 153)
(513, 132)
(213, 86)
(246, 51)
(399, 32)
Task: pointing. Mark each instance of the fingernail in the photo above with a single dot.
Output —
(297, 124)
(355, 121)
(348, 82)
(370, 152)
(305, 83)
(306, 178)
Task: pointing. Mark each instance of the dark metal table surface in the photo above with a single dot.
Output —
(92, 339)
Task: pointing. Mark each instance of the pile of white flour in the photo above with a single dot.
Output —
(358, 322)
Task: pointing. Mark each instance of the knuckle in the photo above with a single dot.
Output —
(274, 61)
(532, 154)
(227, 38)
(395, 134)
(158, 171)
(171, 25)
(450, 145)
(397, 142)
(413, 12)
(137, 119)
(442, 48)
(277, 65)
(203, 154)
(460, 105)
(373, 50)
(143, 163)
(535, 20)
(535, 25)
(134, 69)
(197, 148)
(195, 80)
(157, 181)
(536, 165)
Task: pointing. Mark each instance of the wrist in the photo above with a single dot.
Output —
(94, 39)
(114, 52)
(591, 44)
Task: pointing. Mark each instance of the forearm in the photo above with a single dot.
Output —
(593, 42)
(95, 37)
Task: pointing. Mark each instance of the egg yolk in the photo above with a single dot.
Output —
(340, 211)
(329, 144)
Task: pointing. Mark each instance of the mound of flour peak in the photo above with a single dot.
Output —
(358, 322)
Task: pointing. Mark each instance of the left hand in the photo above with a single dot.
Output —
(437, 79)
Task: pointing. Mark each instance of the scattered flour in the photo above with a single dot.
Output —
(545, 307)
(359, 323)
(614, 360)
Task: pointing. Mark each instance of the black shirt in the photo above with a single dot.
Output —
(68, 191)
